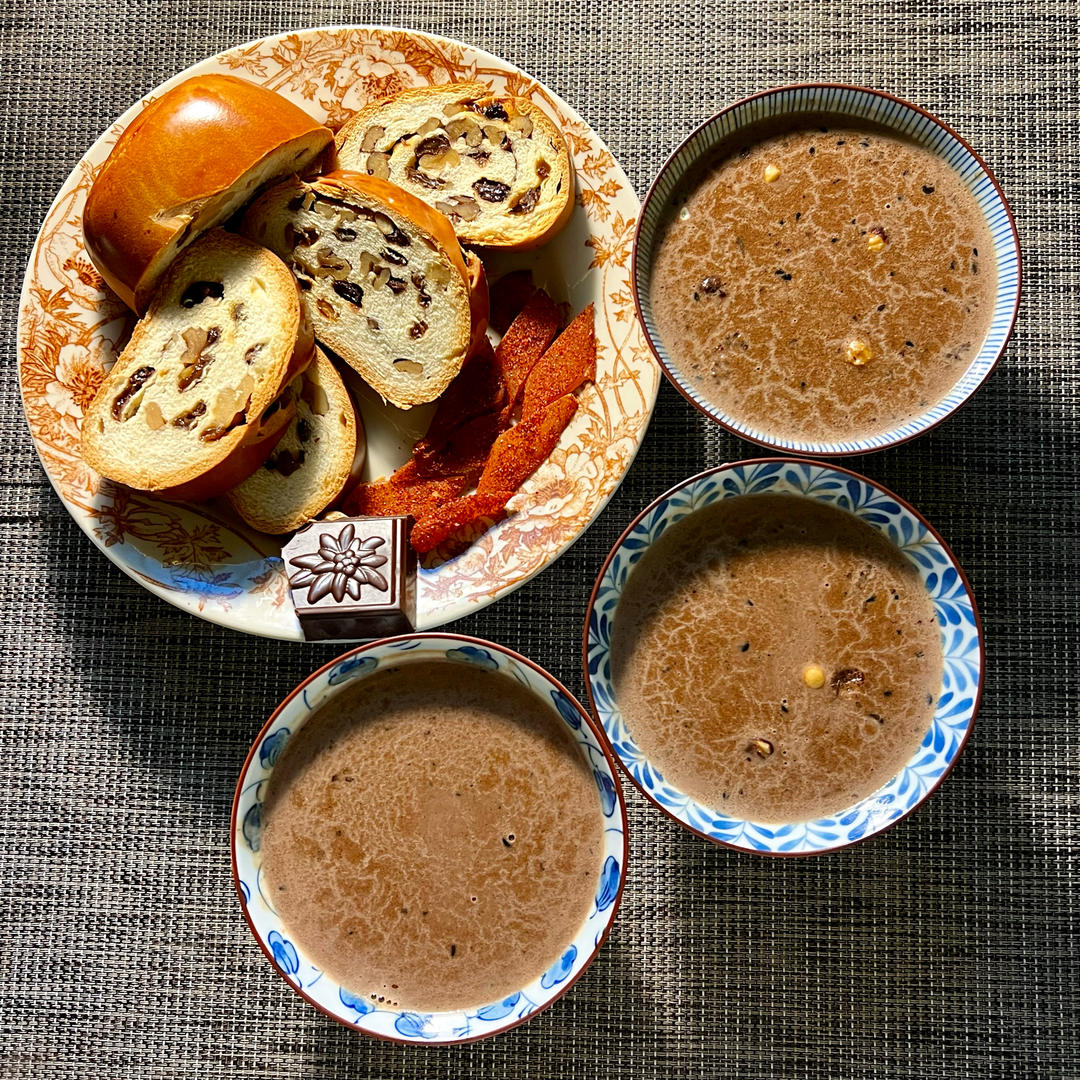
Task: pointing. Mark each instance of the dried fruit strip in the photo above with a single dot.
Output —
(478, 388)
(402, 494)
(569, 362)
(457, 516)
(525, 341)
(519, 452)
(465, 451)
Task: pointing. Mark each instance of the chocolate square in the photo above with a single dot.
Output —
(354, 578)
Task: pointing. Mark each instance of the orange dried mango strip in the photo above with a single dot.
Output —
(519, 452)
(525, 341)
(478, 388)
(407, 475)
(469, 511)
(406, 492)
(465, 451)
(569, 362)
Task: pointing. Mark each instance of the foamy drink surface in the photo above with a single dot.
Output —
(824, 283)
(714, 641)
(432, 837)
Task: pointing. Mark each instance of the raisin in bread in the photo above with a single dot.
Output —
(381, 275)
(224, 335)
(186, 163)
(495, 165)
(313, 463)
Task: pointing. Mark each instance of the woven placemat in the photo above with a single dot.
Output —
(944, 948)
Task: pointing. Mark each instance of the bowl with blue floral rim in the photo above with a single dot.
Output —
(365, 1012)
(852, 105)
(956, 703)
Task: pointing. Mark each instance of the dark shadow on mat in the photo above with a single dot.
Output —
(179, 689)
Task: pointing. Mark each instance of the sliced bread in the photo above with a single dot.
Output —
(312, 464)
(224, 335)
(253, 450)
(186, 163)
(495, 165)
(381, 275)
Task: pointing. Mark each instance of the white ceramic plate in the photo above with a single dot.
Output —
(200, 558)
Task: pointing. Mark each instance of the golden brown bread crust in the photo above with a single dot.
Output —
(190, 146)
(479, 299)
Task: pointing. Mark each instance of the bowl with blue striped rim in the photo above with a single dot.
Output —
(958, 620)
(365, 1012)
(849, 104)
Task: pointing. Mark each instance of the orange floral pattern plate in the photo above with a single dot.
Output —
(203, 560)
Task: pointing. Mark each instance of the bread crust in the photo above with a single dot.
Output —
(184, 164)
(502, 223)
(479, 300)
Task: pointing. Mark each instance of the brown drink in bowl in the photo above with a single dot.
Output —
(432, 837)
(822, 282)
(775, 658)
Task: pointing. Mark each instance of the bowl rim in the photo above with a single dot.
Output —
(789, 460)
(601, 738)
(635, 259)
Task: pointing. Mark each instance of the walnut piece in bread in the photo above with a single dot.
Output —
(495, 165)
(224, 335)
(382, 278)
(253, 450)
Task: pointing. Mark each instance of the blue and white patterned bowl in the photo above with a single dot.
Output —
(357, 1011)
(961, 643)
(854, 103)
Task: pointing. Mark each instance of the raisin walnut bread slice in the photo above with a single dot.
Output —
(313, 463)
(224, 335)
(381, 275)
(496, 166)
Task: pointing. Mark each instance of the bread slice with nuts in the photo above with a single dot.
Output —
(312, 464)
(381, 275)
(224, 334)
(254, 449)
(495, 165)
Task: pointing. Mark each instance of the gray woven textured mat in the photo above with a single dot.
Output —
(944, 948)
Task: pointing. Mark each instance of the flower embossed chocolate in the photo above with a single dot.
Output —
(353, 578)
(343, 564)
